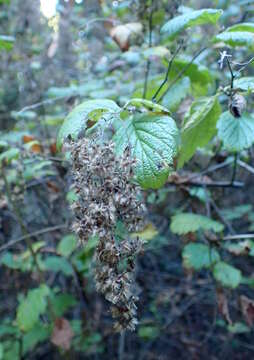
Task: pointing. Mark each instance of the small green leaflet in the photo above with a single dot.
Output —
(184, 223)
(31, 307)
(77, 119)
(192, 18)
(198, 256)
(6, 42)
(67, 245)
(154, 141)
(149, 105)
(199, 127)
(249, 27)
(236, 38)
(227, 275)
(236, 133)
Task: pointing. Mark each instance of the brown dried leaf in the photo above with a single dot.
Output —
(222, 303)
(62, 334)
(122, 34)
(247, 308)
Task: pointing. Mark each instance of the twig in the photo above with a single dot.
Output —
(243, 64)
(246, 166)
(234, 169)
(148, 64)
(121, 346)
(238, 236)
(36, 233)
(167, 73)
(215, 184)
(41, 103)
(211, 169)
(225, 221)
(182, 72)
(232, 74)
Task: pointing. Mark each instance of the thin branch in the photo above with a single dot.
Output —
(167, 73)
(214, 184)
(180, 74)
(121, 346)
(148, 64)
(234, 169)
(211, 169)
(30, 235)
(41, 103)
(231, 72)
(246, 166)
(223, 219)
(243, 65)
(238, 236)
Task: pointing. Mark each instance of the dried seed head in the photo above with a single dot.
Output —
(106, 194)
(237, 105)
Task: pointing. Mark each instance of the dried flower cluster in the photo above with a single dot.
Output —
(106, 194)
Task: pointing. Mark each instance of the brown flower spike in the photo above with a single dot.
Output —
(106, 194)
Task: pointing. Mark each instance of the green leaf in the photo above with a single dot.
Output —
(57, 264)
(62, 302)
(238, 328)
(198, 256)
(77, 119)
(184, 223)
(236, 133)
(31, 307)
(67, 245)
(154, 143)
(238, 38)
(190, 19)
(11, 261)
(245, 83)
(149, 105)
(36, 335)
(177, 93)
(249, 27)
(227, 275)
(199, 127)
(148, 332)
(6, 42)
(236, 212)
(9, 155)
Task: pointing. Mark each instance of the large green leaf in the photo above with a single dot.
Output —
(245, 83)
(227, 275)
(199, 127)
(198, 256)
(31, 307)
(192, 18)
(236, 133)
(184, 223)
(153, 140)
(77, 119)
(236, 38)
